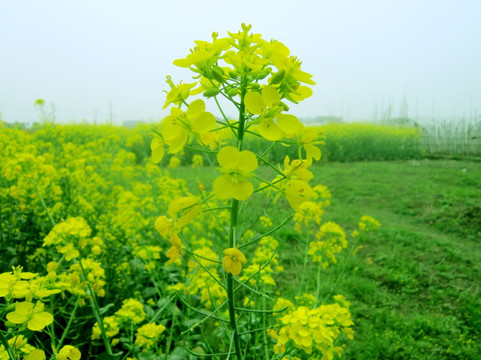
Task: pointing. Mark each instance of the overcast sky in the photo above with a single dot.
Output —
(366, 56)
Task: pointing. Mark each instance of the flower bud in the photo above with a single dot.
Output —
(232, 92)
(284, 106)
(261, 75)
(277, 77)
(255, 86)
(211, 92)
(218, 74)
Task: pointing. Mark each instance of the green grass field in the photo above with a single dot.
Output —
(415, 286)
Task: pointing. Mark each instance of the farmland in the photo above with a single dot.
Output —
(204, 236)
(413, 284)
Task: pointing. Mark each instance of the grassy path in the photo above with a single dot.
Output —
(415, 286)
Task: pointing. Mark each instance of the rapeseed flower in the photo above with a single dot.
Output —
(236, 167)
(331, 241)
(33, 315)
(68, 352)
(233, 261)
(14, 285)
(177, 248)
(148, 335)
(368, 223)
(131, 311)
(36, 355)
(188, 207)
(268, 106)
(178, 93)
(157, 147)
(177, 127)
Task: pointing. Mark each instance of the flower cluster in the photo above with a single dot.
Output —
(331, 239)
(314, 330)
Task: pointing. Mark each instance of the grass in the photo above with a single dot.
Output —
(415, 286)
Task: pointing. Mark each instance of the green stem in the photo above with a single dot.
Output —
(67, 328)
(233, 225)
(318, 289)
(264, 333)
(43, 202)
(96, 310)
(7, 347)
(232, 318)
(304, 267)
(242, 114)
(230, 280)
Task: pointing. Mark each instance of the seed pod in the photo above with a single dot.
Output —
(211, 92)
(277, 77)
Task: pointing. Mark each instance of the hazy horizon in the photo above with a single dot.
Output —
(416, 58)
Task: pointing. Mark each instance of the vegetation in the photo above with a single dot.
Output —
(227, 250)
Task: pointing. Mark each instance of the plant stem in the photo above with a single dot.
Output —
(304, 267)
(230, 280)
(6, 346)
(67, 328)
(264, 333)
(96, 309)
(233, 224)
(318, 289)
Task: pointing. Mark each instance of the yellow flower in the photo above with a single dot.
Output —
(177, 94)
(131, 311)
(197, 161)
(173, 162)
(179, 124)
(157, 147)
(188, 206)
(175, 252)
(163, 225)
(268, 107)
(236, 166)
(36, 355)
(148, 335)
(297, 192)
(233, 261)
(34, 316)
(308, 140)
(68, 352)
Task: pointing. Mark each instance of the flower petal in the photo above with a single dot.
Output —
(177, 144)
(223, 187)
(289, 124)
(235, 268)
(243, 190)
(247, 161)
(228, 157)
(270, 96)
(254, 103)
(157, 147)
(196, 108)
(39, 321)
(269, 130)
(16, 317)
(203, 123)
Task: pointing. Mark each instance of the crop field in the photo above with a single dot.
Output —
(413, 285)
(202, 236)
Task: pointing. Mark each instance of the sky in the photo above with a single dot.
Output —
(371, 59)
